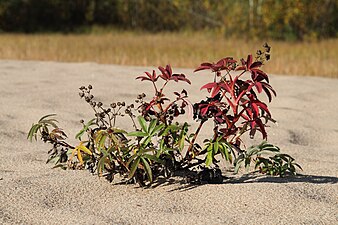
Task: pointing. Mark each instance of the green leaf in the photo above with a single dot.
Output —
(64, 167)
(152, 125)
(101, 142)
(134, 167)
(224, 151)
(119, 131)
(238, 164)
(216, 147)
(147, 169)
(49, 122)
(153, 158)
(46, 116)
(100, 166)
(131, 159)
(142, 123)
(157, 128)
(210, 156)
(137, 134)
(33, 132)
(146, 141)
(84, 129)
(114, 139)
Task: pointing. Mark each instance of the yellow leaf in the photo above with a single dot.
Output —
(84, 149)
(79, 156)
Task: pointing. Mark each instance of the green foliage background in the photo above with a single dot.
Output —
(277, 19)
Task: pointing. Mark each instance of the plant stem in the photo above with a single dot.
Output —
(194, 139)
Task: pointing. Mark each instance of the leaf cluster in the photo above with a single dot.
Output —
(160, 145)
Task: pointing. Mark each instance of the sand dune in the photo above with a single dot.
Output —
(33, 193)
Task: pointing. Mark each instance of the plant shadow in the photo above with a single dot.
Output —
(249, 178)
(300, 178)
(183, 185)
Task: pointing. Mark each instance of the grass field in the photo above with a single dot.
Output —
(186, 50)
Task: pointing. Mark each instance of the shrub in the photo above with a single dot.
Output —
(159, 145)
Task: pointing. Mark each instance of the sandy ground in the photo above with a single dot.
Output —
(33, 193)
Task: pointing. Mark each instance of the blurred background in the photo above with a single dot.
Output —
(303, 33)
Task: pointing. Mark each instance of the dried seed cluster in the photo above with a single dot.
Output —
(263, 55)
(106, 117)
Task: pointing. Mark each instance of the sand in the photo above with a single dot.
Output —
(33, 193)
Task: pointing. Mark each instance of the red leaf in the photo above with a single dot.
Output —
(162, 69)
(260, 75)
(249, 61)
(202, 68)
(143, 78)
(206, 64)
(169, 70)
(240, 68)
(249, 112)
(263, 106)
(225, 86)
(177, 77)
(215, 91)
(255, 108)
(261, 128)
(231, 105)
(255, 65)
(208, 85)
(154, 77)
(164, 75)
(204, 110)
(245, 117)
(258, 86)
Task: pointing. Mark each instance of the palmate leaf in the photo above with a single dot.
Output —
(33, 132)
(43, 124)
(77, 150)
(147, 131)
(46, 121)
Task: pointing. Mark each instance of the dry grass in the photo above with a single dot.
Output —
(178, 49)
